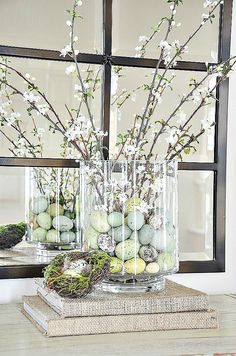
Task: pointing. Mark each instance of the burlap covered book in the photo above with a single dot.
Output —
(51, 324)
(175, 298)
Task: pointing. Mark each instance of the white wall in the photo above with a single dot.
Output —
(12, 290)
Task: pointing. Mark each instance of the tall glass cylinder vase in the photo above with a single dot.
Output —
(129, 210)
(52, 209)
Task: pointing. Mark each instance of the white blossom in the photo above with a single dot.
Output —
(205, 16)
(143, 38)
(6, 104)
(173, 136)
(77, 87)
(165, 45)
(79, 3)
(68, 23)
(29, 96)
(14, 116)
(27, 76)
(70, 69)
(122, 197)
(209, 3)
(100, 133)
(143, 207)
(43, 109)
(65, 50)
(141, 168)
(181, 117)
(40, 132)
(129, 149)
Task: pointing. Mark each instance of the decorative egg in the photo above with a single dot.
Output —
(131, 203)
(105, 243)
(38, 204)
(148, 253)
(160, 240)
(115, 265)
(53, 236)
(152, 267)
(171, 245)
(91, 237)
(98, 220)
(76, 268)
(44, 220)
(134, 235)
(146, 234)
(55, 209)
(62, 223)
(156, 222)
(115, 219)
(135, 266)
(121, 233)
(127, 249)
(166, 261)
(39, 234)
(135, 220)
(67, 236)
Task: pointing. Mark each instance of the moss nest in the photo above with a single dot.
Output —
(80, 284)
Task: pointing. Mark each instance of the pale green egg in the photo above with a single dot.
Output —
(53, 236)
(39, 234)
(166, 261)
(44, 220)
(115, 265)
(55, 209)
(127, 249)
(135, 220)
(98, 220)
(135, 266)
(91, 237)
(146, 234)
(121, 233)
(38, 204)
(67, 236)
(115, 219)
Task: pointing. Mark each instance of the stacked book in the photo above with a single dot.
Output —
(177, 307)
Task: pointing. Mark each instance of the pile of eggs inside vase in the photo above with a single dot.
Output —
(137, 243)
(51, 223)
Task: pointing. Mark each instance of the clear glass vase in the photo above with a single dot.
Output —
(129, 210)
(52, 209)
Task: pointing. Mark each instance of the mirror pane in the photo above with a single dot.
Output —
(196, 215)
(42, 24)
(60, 89)
(129, 98)
(145, 18)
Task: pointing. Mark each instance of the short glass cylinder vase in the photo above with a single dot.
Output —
(130, 210)
(52, 209)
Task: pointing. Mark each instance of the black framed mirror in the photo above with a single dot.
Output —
(108, 43)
